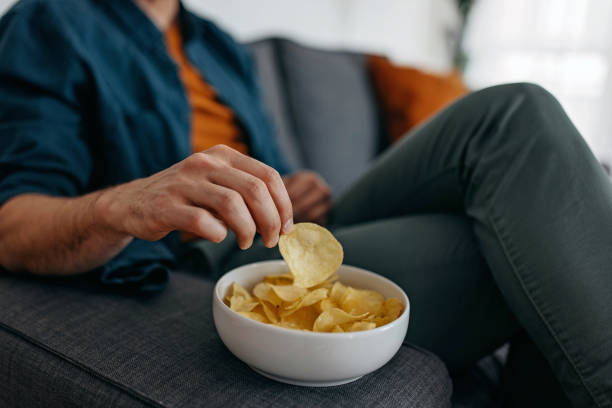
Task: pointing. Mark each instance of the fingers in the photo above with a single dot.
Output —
(198, 221)
(258, 199)
(272, 180)
(246, 194)
(229, 206)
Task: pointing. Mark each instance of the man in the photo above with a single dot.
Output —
(497, 199)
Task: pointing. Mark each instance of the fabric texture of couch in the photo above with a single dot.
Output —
(65, 343)
(68, 343)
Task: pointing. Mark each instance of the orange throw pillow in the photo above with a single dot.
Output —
(409, 96)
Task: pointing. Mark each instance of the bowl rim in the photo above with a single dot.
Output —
(307, 333)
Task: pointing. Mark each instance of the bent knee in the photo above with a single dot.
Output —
(526, 92)
(537, 112)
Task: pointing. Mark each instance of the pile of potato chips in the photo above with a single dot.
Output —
(310, 297)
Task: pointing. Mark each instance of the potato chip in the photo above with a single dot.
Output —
(263, 291)
(312, 253)
(358, 301)
(326, 304)
(302, 319)
(269, 311)
(327, 283)
(332, 317)
(313, 309)
(282, 279)
(255, 316)
(360, 326)
(289, 293)
(393, 308)
(238, 290)
(240, 304)
(310, 299)
(336, 292)
(241, 300)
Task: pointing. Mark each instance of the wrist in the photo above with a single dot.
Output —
(107, 212)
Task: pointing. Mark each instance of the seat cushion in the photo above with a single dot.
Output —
(63, 343)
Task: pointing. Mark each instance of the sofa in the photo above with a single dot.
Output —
(69, 342)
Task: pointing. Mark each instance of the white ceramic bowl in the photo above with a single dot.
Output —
(308, 358)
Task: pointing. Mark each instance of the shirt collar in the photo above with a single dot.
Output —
(144, 31)
(190, 29)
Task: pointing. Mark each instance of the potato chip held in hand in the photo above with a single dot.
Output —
(312, 253)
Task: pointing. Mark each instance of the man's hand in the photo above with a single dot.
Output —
(205, 194)
(310, 196)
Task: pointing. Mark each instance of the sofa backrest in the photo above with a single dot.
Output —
(322, 106)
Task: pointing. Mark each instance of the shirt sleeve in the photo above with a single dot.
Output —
(42, 86)
(143, 266)
(44, 96)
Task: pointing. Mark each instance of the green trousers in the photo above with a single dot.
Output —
(496, 219)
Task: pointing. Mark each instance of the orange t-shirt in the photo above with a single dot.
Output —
(212, 122)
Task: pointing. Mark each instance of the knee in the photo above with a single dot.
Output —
(524, 114)
(529, 109)
(526, 93)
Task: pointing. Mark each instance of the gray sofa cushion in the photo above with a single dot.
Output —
(62, 344)
(330, 106)
(333, 110)
(265, 57)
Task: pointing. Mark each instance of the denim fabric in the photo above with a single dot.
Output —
(540, 208)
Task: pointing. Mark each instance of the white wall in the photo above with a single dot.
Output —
(417, 32)
(5, 4)
(564, 45)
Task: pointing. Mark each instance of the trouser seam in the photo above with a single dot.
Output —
(515, 269)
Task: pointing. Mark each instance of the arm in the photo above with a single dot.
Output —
(44, 234)
(205, 194)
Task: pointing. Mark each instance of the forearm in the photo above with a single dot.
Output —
(62, 236)
(206, 194)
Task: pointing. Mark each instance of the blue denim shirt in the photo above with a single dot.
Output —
(89, 98)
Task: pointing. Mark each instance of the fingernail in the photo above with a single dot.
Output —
(288, 226)
(246, 246)
(272, 243)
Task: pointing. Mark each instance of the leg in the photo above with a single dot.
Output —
(541, 209)
(528, 381)
(451, 291)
